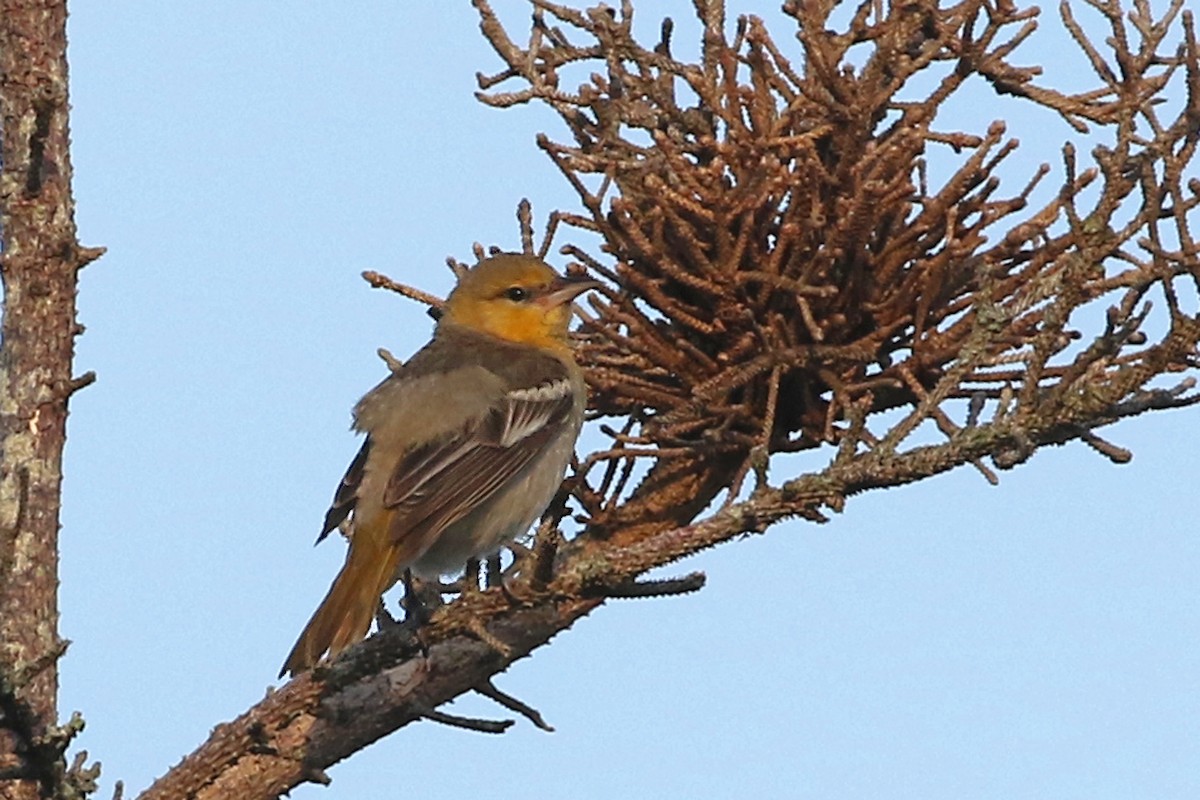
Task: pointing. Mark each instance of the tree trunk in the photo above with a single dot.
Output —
(39, 267)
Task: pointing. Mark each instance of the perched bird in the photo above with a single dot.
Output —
(465, 444)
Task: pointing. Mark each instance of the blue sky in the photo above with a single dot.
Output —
(244, 162)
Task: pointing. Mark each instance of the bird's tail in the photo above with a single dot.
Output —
(345, 615)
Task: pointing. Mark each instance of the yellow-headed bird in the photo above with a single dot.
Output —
(465, 445)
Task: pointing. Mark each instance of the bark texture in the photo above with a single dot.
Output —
(39, 266)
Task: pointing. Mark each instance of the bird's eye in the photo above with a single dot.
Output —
(516, 294)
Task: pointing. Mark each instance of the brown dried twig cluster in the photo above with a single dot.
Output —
(782, 271)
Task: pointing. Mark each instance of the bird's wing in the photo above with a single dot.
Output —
(347, 492)
(438, 484)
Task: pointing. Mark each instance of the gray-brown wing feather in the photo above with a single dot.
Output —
(440, 483)
(347, 492)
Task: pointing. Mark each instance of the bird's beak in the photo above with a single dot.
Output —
(567, 288)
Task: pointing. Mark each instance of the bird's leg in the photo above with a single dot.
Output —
(467, 583)
(419, 596)
(384, 619)
(497, 577)
(532, 568)
(494, 576)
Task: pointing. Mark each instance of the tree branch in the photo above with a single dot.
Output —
(386, 683)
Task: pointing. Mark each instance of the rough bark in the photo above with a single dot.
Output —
(39, 267)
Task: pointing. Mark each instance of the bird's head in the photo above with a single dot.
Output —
(517, 298)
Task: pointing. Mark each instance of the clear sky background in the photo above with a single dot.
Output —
(243, 162)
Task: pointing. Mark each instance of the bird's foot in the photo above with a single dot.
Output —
(467, 583)
(421, 598)
(384, 619)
